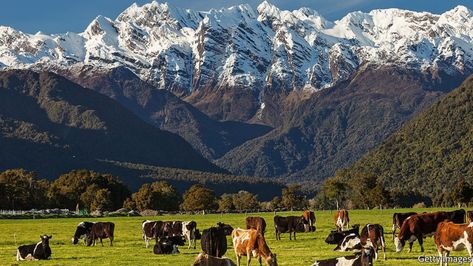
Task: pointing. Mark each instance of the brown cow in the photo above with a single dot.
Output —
(309, 221)
(341, 219)
(417, 227)
(398, 219)
(101, 230)
(373, 235)
(257, 223)
(452, 237)
(251, 243)
(469, 216)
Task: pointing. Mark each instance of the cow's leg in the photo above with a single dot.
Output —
(421, 243)
(111, 241)
(101, 241)
(248, 257)
(146, 241)
(238, 259)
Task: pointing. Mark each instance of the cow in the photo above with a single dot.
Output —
(398, 219)
(168, 244)
(257, 223)
(101, 230)
(214, 241)
(287, 224)
(151, 230)
(469, 216)
(83, 229)
(336, 237)
(457, 216)
(38, 251)
(251, 243)
(450, 236)
(189, 232)
(373, 234)
(172, 228)
(309, 221)
(421, 225)
(341, 219)
(207, 260)
(365, 259)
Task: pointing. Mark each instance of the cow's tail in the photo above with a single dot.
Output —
(381, 229)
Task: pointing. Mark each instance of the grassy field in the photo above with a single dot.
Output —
(129, 247)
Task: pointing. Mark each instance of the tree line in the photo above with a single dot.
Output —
(365, 190)
(89, 190)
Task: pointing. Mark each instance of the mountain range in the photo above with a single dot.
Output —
(262, 92)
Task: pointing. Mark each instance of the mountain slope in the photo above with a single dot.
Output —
(50, 125)
(337, 126)
(163, 109)
(432, 152)
(209, 57)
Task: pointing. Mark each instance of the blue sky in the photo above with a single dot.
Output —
(57, 16)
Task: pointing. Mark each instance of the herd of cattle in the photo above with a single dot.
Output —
(450, 230)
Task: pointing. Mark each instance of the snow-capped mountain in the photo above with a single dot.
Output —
(186, 51)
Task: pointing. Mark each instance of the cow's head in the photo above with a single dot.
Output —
(334, 237)
(271, 260)
(81, 231)
(367, 255)
(399, 243)
(45, 240)
(227, 229)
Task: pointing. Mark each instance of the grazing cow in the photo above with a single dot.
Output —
(101, 230)
(309, 221)
(336, 237)
(188, 230)
(168, 244)
(152, 230)
(365, 259)
(469, 215)
(214, 241)
(398, 219)
(251, 243)
(373, 234)
(341, 219)
(206, 260)
(420, 225)
(39, 251)
(257, 223)
(453, 237)
(287, 224)
(83, 229)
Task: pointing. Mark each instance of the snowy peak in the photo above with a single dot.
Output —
(185, 51)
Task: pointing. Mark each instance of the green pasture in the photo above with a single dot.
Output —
(129, 247)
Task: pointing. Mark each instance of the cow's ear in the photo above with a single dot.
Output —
(50, 237)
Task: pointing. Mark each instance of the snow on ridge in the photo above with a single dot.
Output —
(240, 46)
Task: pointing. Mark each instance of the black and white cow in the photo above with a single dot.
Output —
(168, 245)
(83, 229)
(336, 237)
(365, 259)
(188, 230)
(151, 230)
(38, 251)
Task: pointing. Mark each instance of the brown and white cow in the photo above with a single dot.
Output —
(309, 220)
(206, 260)
(469, 216)
(101, 230)
(421, 225)
(251, 243)
(341, 219)
(373, 235)
(398, 219)
(257, 223)
(453, 237)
